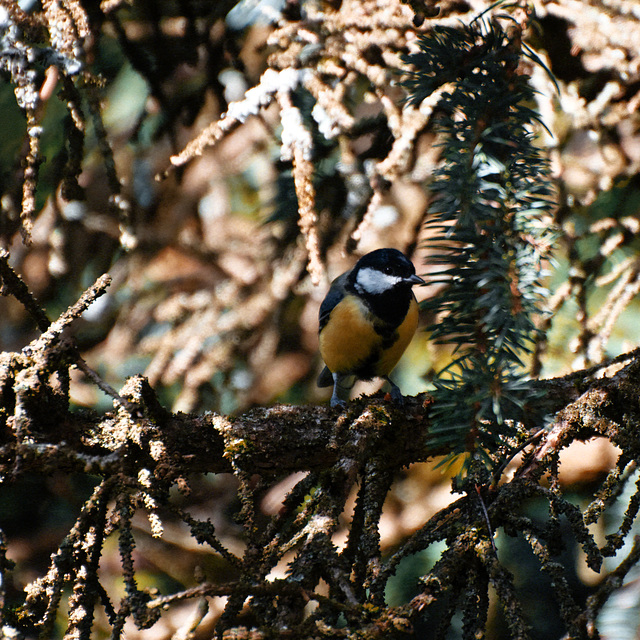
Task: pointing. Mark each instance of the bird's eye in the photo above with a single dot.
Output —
(388, 270)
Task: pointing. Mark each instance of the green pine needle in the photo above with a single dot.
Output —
(488, 227)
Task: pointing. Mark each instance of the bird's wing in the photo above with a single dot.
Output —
(333, 297)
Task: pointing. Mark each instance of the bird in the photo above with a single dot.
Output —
(366, 321)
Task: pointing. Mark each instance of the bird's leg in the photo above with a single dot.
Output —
(396, 394)
(341, 386)
(336, 401)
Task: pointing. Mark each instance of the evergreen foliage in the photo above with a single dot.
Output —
(488, 230)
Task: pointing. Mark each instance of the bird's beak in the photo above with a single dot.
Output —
(414, 279)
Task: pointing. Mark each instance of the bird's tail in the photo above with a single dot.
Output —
(325, 379)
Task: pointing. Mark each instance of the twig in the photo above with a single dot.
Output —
(486, 517)
(14, 285)
(103, 385)
(497, 474)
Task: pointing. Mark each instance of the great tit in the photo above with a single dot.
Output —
(367, 319)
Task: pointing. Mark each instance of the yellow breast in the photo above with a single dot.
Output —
(349, 339)
(389, 357)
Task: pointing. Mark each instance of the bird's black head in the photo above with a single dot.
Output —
(382, 272)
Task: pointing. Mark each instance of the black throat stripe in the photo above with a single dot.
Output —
(390, 308)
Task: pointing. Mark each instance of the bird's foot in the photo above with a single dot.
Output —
(396, 394)
(337, 403)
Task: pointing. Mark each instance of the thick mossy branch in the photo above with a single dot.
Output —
(144, 451)
(487, 227)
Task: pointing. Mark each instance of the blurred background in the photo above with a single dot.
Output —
(212, 298)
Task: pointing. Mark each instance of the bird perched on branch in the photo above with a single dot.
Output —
(367, 319)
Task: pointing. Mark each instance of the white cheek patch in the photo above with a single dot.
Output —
(376, 282)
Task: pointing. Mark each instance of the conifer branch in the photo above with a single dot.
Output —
(488, 228)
